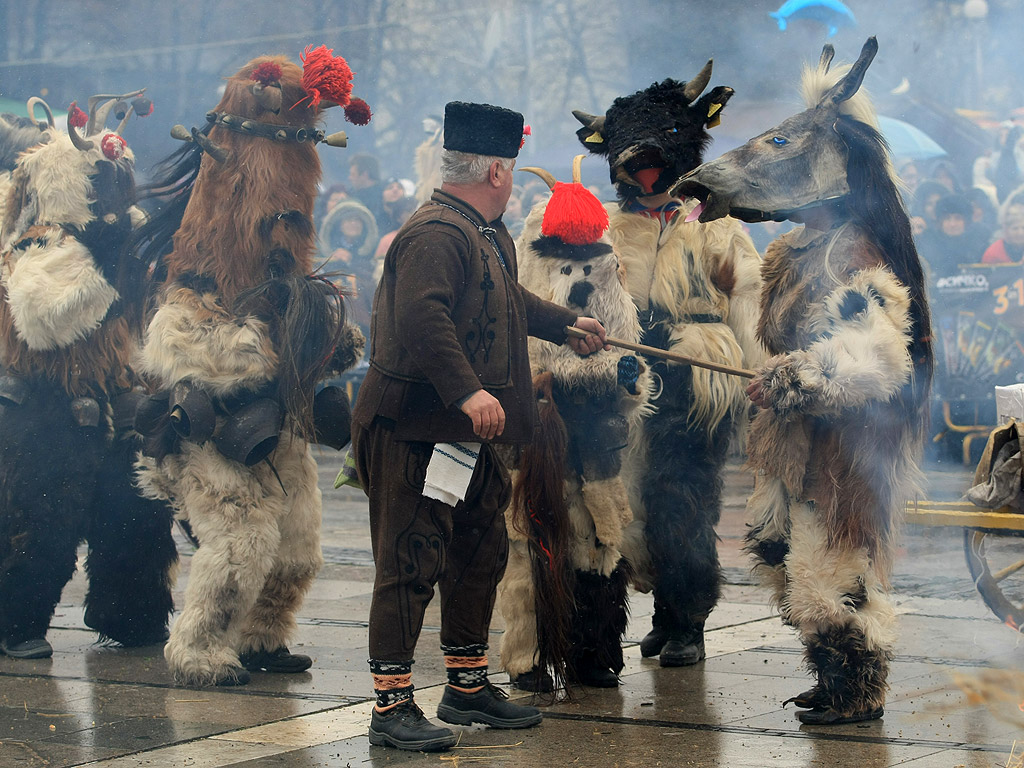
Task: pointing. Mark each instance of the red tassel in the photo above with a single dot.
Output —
(78, 118)
(358, 112)
(266, 73)
(113, 146)
(325, 76)
(574, 215)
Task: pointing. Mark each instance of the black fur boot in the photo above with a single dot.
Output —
(598, 625)
(852, 678)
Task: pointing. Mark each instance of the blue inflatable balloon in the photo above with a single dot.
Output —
(832, 13)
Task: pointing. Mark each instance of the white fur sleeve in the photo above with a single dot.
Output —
(56, 294)
(188, 339)
(861, 354)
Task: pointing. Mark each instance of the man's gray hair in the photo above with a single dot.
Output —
(467, 168)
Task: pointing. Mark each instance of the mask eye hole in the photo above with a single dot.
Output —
(566, 270)
(779, 140)
(587, 270)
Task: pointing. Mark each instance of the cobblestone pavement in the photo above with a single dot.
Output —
(96, 705)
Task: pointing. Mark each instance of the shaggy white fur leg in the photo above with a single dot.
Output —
(831, 588)
(235, 516)
(271, 622)
(518, 608)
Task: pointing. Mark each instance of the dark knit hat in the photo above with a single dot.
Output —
(482, 129)
(953, 204)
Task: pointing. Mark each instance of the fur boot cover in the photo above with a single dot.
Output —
(241, 336)
(570, 507)
(67, 399)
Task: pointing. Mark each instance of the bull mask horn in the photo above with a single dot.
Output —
(827, 53)
(593, 122)
(696, 86)
(100, 106)
(545, 175)
(851, 82)
(31, 105)
(83, 144)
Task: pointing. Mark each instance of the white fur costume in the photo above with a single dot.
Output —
(598, 508)
(260, 546)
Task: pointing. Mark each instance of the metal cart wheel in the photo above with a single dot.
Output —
(994, 558)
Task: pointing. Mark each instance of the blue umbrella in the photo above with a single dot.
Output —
(906, 140)
(832, 13)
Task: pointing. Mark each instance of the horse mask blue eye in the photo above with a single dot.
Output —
(779, 141)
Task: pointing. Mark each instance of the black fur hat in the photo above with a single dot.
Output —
(482, 129)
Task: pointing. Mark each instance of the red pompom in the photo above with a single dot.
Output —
(266, 73)
(574, 215)
(325, 76)
(358, 112)
(113, 146)
(527, 131)
(76, 117)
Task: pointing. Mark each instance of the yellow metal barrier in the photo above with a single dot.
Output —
(963, 514)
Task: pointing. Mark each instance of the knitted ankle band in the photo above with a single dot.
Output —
(466, 665)
(392, 682)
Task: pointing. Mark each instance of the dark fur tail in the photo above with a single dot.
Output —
(306, 317)
(542, 516)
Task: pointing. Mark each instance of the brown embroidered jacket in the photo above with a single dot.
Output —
(449, 318)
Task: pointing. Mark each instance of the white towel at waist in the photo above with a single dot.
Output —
(450, 470)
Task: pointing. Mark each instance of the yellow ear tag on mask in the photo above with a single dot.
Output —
(713, 117)
(594, 138)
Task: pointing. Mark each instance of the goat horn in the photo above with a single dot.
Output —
(826, 58)
(593, 122)
(695, 87)
(577, 167)
(214, 150)
(546, 175)
(124, 120)
(83, 144)
(100, 106)
(31, 105)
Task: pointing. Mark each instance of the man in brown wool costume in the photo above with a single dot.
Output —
(448, 363)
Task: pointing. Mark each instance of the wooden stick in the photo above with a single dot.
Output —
(655, 352)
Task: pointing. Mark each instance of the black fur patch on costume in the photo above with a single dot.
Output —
(771, 552)
(682, 492)
(599, 622)
(853, 304)
(852, 678)
(555, 248)
(74, 486)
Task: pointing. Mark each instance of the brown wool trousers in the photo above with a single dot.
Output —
(420, 543)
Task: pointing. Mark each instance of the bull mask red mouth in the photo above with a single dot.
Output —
(647, 178)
